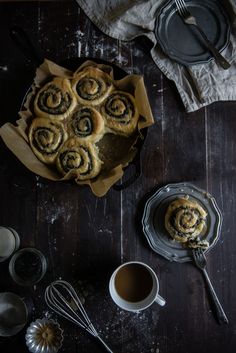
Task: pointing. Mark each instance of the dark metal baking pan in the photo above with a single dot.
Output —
(23, 41)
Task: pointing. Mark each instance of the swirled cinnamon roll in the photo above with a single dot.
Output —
(91, 86)
(55, 100)
(46, 136)
(120, 113)
(87, 124)
(185, 220)
(79, 159)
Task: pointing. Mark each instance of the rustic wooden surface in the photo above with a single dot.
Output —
(83, 237)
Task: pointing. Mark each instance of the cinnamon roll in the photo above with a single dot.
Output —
(185, 220)
(120, 113)
(91, 86)
(46, 136)
(87, 124)
(55, 100)
(79, 159)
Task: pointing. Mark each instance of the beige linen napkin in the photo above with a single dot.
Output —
(198, 85)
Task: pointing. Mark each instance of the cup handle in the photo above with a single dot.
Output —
(159, 300)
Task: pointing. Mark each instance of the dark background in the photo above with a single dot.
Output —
(84, 237)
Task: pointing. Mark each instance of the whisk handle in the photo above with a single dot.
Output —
(104, 344)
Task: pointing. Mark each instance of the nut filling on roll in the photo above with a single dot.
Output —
(46, 137)
(55, 100)
(91, 86)
(87, 123)
(120, 113)
(80, 159)
(185, 221)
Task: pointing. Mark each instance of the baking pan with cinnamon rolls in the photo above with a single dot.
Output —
(82, 125)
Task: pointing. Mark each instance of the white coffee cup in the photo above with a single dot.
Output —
(134, 286)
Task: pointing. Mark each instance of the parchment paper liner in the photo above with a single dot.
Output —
(16, 139)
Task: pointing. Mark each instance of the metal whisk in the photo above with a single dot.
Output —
(61, 297)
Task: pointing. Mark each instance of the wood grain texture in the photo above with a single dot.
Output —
(85, 238)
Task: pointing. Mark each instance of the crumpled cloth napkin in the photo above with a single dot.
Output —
(198, 85)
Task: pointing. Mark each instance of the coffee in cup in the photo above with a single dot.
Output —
(134, 286)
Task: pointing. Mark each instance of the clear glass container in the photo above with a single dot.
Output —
(27, 266)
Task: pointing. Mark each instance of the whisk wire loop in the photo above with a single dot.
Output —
(61, 297)
(75, 303)
(59, 309)
(68, 305)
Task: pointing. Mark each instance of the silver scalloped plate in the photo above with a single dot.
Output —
(154, 218)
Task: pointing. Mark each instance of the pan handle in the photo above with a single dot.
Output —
(25, 44)
(137, 173)
(137, 163)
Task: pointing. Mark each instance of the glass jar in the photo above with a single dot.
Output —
(27, 266)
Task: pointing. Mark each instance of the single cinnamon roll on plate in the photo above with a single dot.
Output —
(120, 113)
(87, 124)
(157, 233)
(55, 100)
(46, 136)
(185, 220)
(79, 159)
(91, 86)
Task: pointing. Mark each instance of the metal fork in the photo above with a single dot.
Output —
(189, 19)
(200, 261)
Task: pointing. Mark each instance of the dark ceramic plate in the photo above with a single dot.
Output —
(154, 218)
(182, 42)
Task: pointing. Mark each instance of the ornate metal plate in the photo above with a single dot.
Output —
(154, 218)
(182, 42)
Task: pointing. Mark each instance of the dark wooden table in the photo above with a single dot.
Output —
(84, 237)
